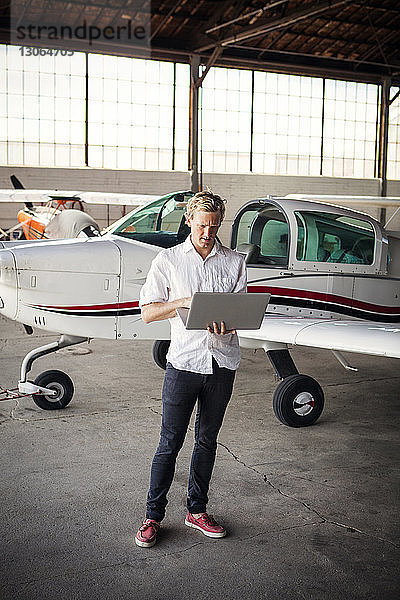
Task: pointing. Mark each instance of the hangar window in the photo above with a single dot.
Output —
(225, 116)
(137, 113)
(42, 109)
(266, 233)
(161, 223)
(349, 129)
(331, 238)
(287, 124)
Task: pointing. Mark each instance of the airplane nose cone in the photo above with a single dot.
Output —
(8, 284)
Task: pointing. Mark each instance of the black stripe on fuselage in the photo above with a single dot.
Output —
(277, 300)
(336, 308)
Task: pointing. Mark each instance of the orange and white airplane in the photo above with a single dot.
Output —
(333, 275)
(53, 214)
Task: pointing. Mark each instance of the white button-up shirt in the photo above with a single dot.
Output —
(179, 272)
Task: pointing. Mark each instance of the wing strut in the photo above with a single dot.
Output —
(339, 356)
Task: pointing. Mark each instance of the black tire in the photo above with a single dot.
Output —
(160, 349)
(56, 380)
(298, 401)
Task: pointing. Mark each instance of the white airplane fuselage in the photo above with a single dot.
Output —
(91, 288)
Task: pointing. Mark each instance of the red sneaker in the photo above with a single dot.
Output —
(147, 534)
(206, 524)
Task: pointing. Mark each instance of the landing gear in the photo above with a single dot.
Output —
(298, 401)
(58, 382)
(53, 389)
(160, 349)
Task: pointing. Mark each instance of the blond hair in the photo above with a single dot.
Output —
(206, 201)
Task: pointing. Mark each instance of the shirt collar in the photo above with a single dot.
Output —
(187, 246)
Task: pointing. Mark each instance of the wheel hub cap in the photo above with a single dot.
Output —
(303, 404)
(57, 387)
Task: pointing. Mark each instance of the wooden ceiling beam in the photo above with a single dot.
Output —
(353, 41)
(337, 21)
(189, 18)
(165, 20)
(253, 14)
(227, 9)
(375, 6)
(392, 36)
(272, 25)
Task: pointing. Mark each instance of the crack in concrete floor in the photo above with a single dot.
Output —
(322, 518)
(56, 417)
(156, 556)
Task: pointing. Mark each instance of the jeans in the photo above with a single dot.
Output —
(180, 391)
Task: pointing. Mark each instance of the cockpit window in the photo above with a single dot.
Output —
(244, 227)
(325, 237)
(161, 223)
(263, 235)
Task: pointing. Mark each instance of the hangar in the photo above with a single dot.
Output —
(250, 98)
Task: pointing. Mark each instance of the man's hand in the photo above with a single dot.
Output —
(186, 302)
(219, 330)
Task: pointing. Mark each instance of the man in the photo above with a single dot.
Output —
(201, 364)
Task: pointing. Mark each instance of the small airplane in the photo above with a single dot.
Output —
(333, 275)
(60, 214)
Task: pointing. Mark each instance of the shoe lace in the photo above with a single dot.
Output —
(149, 523)
(208, 519)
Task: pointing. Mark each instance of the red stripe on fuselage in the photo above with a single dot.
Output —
(91, 307)
(324, 297)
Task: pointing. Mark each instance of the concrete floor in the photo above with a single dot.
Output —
(312, 513)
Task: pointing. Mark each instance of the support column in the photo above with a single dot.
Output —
(87, 110)
(383, 143)
(194, 122)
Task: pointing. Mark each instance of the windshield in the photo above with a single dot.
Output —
(161, 223)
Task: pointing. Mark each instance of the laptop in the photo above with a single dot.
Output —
(238, 311)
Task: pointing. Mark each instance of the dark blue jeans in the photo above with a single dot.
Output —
(181, 390)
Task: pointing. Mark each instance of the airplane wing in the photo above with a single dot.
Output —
(88, 197)
(364, 337)
(115, 198)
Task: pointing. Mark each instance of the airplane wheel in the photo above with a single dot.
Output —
(54, 380)
(160, 349)
(298, 401)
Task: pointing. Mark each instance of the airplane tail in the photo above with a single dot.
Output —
(16, 183)
(18, 186)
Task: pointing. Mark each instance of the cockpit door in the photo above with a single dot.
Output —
(261, 232)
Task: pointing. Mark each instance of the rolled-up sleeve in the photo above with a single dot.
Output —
(155, 288)
(241, 284)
